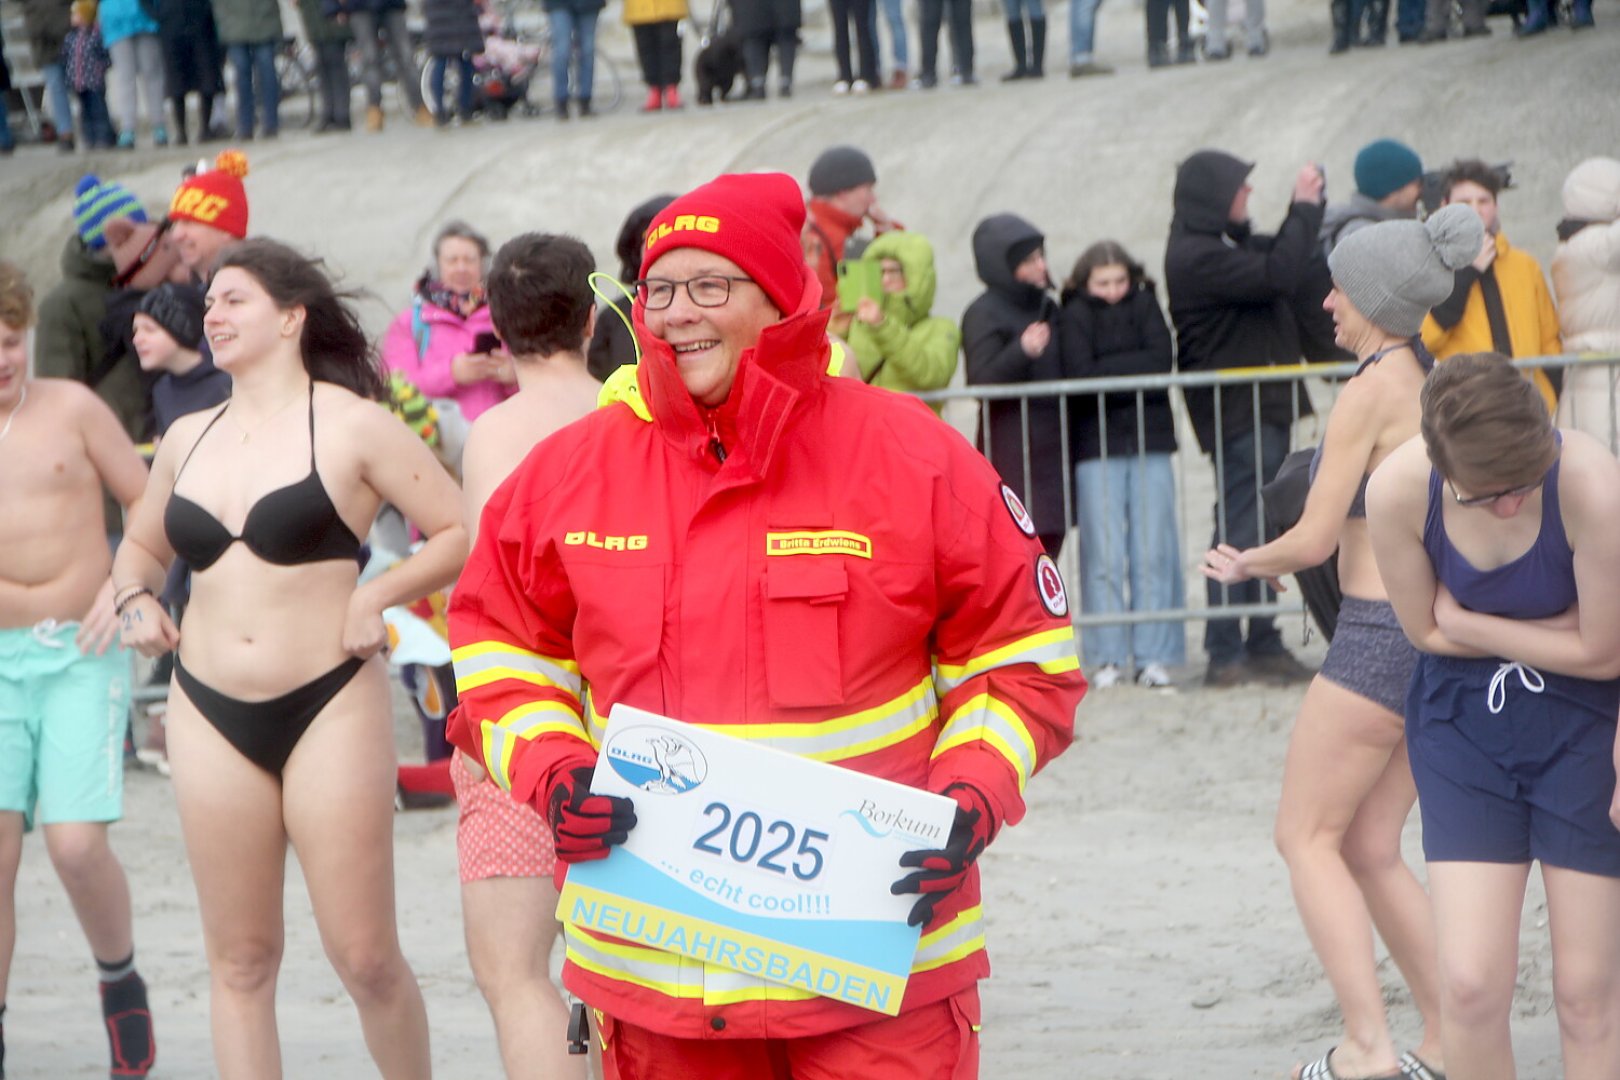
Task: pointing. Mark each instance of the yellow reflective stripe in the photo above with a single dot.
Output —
(984, 719)
(836, 738)
(962, 936)
(722, 986)
(839, 738)
(649, 968)
(1050, 650)
(491, 661)
(528, 721)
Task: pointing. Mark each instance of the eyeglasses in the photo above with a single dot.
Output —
(147, 254)
(708, 291)
(1486, 500)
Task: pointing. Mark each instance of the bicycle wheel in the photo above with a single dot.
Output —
(452, 90)
(607, 91)
(295, 76)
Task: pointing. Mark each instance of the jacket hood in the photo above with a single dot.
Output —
(786, 363)
(916, 256)
(1592, 190)
(82, 264)
(993, 241)
(1206, 183)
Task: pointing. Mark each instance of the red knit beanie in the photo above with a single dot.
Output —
(215, 197)
(753, 219)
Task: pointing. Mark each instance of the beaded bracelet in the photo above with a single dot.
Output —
(129, 597)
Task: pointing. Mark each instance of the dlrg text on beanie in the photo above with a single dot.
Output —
(215, 197)
(753, 219)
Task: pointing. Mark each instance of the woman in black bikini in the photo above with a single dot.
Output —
(279, 723)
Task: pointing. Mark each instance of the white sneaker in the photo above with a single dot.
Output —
(860, 86)
(1106, 676)
(840, 88)
(1154, 677)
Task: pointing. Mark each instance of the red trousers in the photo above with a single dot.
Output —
(936, 1042)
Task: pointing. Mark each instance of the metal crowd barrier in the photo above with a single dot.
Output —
(1589, 401)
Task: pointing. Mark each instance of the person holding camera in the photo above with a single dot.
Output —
(444, 341)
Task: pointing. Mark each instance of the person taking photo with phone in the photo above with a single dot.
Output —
(898, 343)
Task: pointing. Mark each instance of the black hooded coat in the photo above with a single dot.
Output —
(1236, 296)
(991, 328)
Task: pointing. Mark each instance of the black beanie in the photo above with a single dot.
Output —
(179, 310)
(840, 168)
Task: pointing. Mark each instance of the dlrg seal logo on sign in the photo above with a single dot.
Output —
(656, 761)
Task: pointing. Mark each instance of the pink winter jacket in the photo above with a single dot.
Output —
(422, 341)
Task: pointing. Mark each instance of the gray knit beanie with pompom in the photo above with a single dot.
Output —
(1395, 271)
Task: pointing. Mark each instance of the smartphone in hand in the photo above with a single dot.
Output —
(487, 341)
(858, 279)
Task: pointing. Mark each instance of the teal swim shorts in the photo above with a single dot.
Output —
(62, 721)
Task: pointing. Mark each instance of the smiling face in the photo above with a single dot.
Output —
(243, 323)
(13, 363)
(461, 264)
(197, 244)
(708, 342)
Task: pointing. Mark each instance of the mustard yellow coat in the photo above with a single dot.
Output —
(1531, 317)
(641, 12)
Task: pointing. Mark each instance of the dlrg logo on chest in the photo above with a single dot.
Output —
(605, 543)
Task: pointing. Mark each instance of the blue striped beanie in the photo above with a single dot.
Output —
(96, 203)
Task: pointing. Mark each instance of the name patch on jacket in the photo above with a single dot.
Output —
(818, 542)
(606, 543)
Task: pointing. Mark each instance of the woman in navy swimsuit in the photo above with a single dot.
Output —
(1346, 790)
(279, 722)
(1499, 538)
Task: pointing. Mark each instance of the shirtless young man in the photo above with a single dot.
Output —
(541, 302)
(64, 695)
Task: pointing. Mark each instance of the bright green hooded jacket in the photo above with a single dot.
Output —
(909, 350)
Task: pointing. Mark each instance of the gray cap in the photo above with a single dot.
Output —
(840, 168)
(1395, 271)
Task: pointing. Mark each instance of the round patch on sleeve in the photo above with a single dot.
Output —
(1049, 583)
(1020, 516)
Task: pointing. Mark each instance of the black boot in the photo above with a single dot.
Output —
(1020, 48)
(1037, 48)
(1340, 12)
(180, 139)
(1158, 55)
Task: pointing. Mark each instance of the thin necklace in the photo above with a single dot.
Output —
(277, 411)
(4, 431)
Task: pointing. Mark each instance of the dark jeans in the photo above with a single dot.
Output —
(255, 67)
(1409, 18)
(1158, 22)
(960, 14)
(757, 52)
(332, 73)
(1238, 510)
(464, 85)
(94, 118)
(860, 12)
(658, 49)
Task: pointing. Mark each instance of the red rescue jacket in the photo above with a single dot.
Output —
(624, 561)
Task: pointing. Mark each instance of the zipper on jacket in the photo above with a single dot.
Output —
(715, 444)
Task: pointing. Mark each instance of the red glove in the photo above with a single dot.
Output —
(943, 871)
(585, 826)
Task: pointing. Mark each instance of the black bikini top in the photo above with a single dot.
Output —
(290, 526)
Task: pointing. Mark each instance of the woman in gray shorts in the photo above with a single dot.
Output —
(1347, 785)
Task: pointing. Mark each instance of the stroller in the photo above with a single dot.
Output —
(505, 68)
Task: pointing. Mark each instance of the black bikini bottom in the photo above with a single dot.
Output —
(266, 731)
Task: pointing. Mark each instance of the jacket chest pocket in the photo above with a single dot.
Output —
(802, 602)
